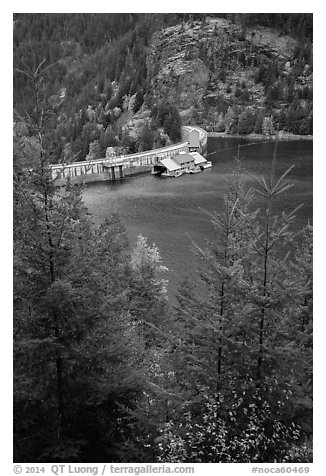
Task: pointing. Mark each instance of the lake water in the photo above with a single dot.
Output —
(169, 211)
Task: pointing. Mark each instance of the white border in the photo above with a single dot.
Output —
(319, 198)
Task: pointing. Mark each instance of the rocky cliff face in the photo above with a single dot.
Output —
(177, 72)
(206, 68)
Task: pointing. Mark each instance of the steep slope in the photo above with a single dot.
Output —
(232, 79)
(129, 80)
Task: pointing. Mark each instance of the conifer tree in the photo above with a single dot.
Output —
(78, 356)
(208, 322)
(273, 307)
(245, 338)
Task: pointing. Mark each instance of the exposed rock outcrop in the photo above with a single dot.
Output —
(215, 69)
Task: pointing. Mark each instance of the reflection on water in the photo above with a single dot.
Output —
(170, 211)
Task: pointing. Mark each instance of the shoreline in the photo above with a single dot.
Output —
(281, 136)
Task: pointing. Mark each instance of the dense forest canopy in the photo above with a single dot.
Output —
(105, 369)
(97, 77)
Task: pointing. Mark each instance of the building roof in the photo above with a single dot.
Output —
(199, 159)
(170, 164)
(183, 159)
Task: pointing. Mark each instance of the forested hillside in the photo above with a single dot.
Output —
(237, 77)
(105, 369)
(124, 80)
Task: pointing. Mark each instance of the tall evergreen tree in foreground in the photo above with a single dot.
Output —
(242, 360)
(79, 355)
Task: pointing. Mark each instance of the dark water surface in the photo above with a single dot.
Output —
(168, 211)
